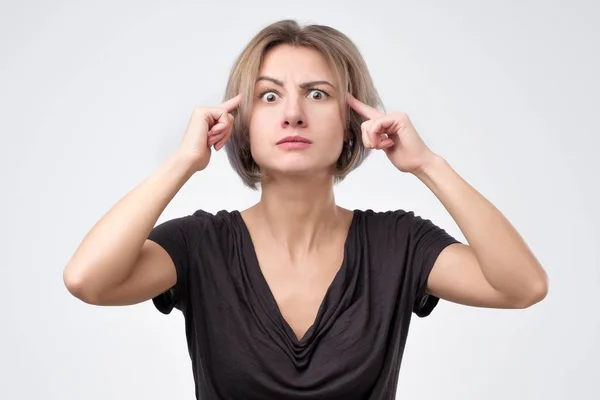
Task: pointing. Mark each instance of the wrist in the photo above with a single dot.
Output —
(437, 175)
(430, 167)
(182, 164)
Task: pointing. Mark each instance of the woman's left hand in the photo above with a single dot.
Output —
(394, 134)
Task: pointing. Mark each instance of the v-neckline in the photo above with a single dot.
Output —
(265, 289)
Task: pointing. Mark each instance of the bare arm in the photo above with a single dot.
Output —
(115, 264)
(497, 269)
(116, 246)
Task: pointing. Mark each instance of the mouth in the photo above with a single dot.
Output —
(294, 139)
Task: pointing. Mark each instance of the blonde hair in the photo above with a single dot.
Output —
(343, 57)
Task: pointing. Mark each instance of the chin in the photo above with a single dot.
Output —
(299, 171)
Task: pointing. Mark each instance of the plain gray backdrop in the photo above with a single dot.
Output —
(95, 95)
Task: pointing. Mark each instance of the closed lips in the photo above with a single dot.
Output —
(292, 139)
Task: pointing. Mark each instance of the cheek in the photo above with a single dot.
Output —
(325, 117)
(258, 124)
(335, 127)
(260, 130)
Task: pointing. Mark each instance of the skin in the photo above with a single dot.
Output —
(299, 230)
(496, 269)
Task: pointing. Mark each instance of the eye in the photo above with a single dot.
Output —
(317, 94)
(268, 96)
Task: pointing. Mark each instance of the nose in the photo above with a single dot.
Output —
(293, 123)
(293, 115)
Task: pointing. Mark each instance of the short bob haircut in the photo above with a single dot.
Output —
(347, 64)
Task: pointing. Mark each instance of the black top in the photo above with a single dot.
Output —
(239, 343)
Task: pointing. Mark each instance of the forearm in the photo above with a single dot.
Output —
(109, 251)
(505, 259)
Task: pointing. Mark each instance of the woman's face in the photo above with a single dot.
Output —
(296, 126)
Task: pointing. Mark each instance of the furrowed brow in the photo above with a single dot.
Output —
(302, 85)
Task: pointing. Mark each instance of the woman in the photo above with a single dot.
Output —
(296, 297)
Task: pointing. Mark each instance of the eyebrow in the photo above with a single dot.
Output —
(302, 85)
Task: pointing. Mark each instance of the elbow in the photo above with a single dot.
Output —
(538, 290)
(77, 285)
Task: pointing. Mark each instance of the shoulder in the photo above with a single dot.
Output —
(201, 216)
(198, 223)
(399, 224)
(392, 218)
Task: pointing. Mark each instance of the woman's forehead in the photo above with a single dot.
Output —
(286, 63)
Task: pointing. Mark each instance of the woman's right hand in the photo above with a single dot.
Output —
(208, 127)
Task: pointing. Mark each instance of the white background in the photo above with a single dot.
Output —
(95, 95)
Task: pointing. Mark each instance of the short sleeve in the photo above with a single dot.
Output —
(425, 243)
(173, 236)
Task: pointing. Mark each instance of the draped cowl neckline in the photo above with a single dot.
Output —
(299, 350)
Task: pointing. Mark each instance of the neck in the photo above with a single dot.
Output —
(300, 214)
